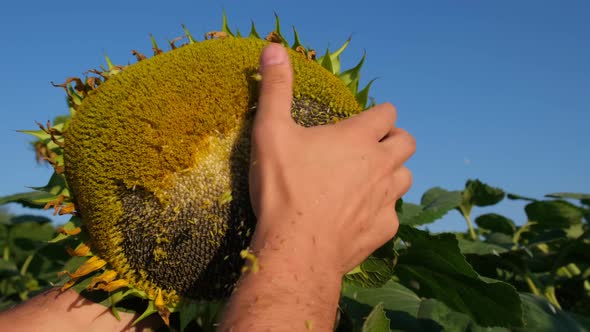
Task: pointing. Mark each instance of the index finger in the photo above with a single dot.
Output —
(373, 124)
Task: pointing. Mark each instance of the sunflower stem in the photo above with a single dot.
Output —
(550, 295)
(467, 216)
(25, 267)
(531, 284)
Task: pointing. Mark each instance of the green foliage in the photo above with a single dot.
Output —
(434, 267)
(377, 321)
(29, 264)
(499, 276)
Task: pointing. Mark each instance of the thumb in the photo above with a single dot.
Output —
(276, 88)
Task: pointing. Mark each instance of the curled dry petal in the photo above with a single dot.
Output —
(216, 34)
(138, 55)
(274, 37)
(162, 309)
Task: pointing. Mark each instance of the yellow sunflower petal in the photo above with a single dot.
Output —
(113, 285)
(91, 265)
(68, 284)
(64, 231)
(104, 278)
(81, 250)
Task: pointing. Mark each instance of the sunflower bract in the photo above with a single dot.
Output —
(158, 155)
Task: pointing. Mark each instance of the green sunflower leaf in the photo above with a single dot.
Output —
(496, 223)
(433, 266)
(554, 213)
(479, 248)
(477, 193)
(541, 315)
(578, 196)
(188, 312)
(400, 303)
(373, 272)
(435, 203)
(376, 321)
(405, 310)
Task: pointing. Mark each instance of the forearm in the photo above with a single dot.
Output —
(289, 292)
(55, 310)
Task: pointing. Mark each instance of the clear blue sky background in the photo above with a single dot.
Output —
(496, 90)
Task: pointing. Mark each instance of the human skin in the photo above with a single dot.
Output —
(324, 198)
(67, 311)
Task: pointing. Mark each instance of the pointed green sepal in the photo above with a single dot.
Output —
(40, 134)
(191, 40)
(238, 34)
(154, 44)
(109, 62)
(353, 86)
(284, 41)
(253, 32)
(76, 98)
(363, 96)
(278, 25)
(115, 312)
(339, 51)
(297, 42)
(151, 309)
(57, 186)
(33, 199)
(335, 56)
(225, 26)
(327, 62)
(351, 76)
(61, 120)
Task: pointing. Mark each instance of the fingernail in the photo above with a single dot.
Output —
(273, 54)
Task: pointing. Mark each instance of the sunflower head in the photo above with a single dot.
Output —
(153, 162)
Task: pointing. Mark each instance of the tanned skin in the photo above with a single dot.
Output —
(67, 311)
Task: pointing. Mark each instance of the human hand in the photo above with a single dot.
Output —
(324, 198)
(324, 194)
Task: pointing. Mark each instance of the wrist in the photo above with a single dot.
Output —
(283, 288)
(292, 250)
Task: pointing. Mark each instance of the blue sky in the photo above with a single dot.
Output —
(496, 90)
